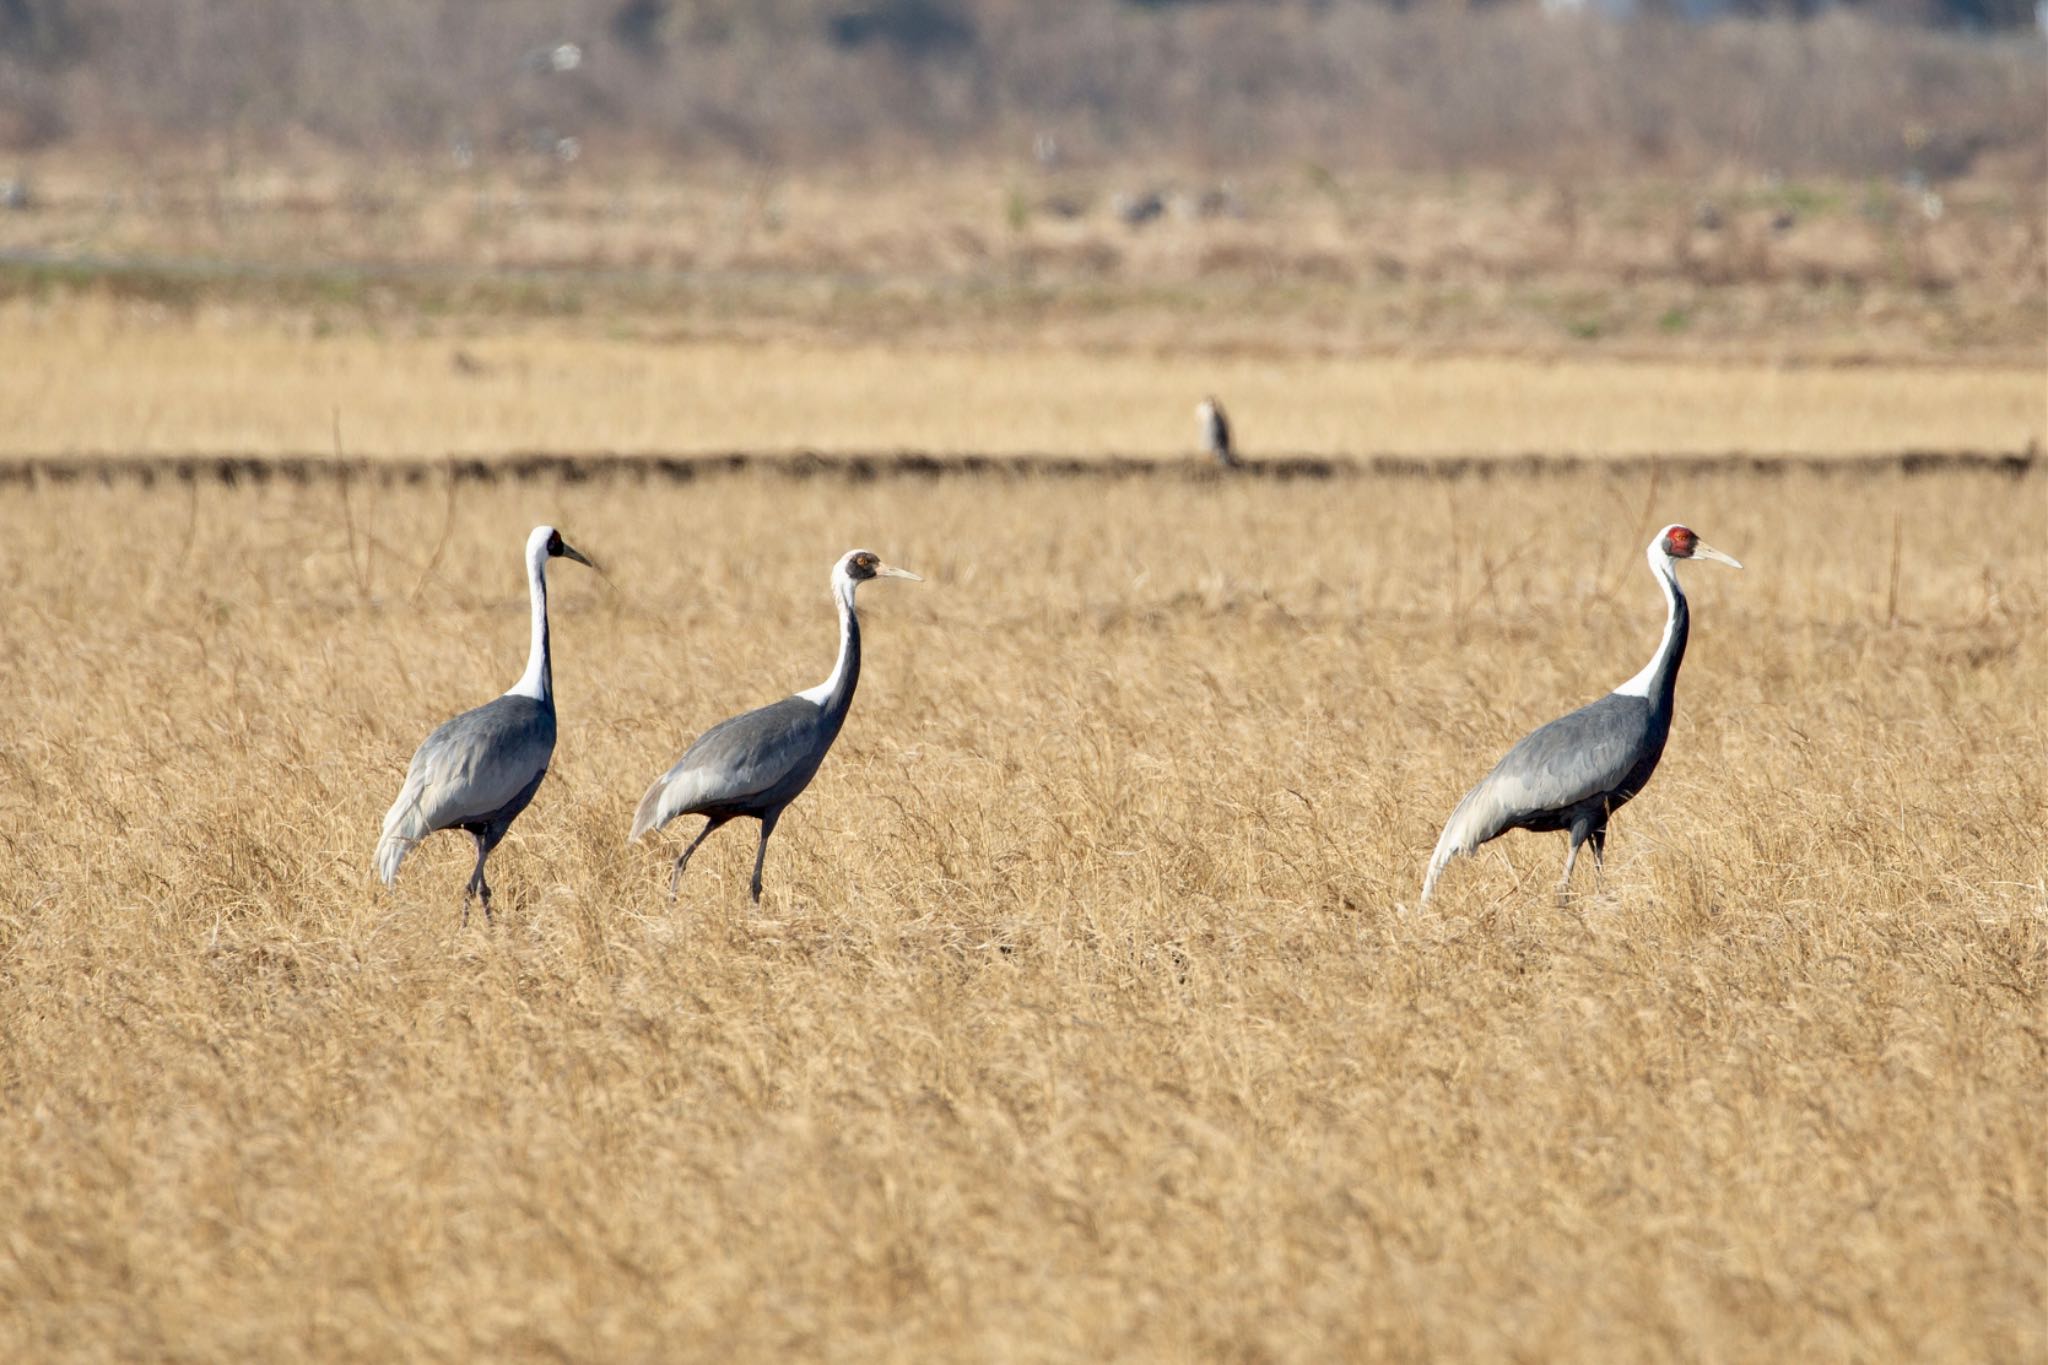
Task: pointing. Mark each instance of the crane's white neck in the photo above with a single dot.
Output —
(1666, 570)
(842, 593)
(538, 681)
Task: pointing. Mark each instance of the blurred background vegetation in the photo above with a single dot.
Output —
(1929, 89)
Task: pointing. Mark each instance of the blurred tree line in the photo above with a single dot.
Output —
(56, 31)
(1860, 86)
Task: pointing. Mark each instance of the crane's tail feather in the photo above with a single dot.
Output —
(405, 824)
(1470, 825)
(649, 815)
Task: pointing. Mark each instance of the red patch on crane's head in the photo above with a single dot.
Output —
(1679, 542)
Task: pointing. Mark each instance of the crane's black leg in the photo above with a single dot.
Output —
(1598, 838)
(476, 879)
(484, 844)
(761, 854)
(683, 859)
(1581, 831)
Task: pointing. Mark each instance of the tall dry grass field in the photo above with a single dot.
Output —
(1089, 1011)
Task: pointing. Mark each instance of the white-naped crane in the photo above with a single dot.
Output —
(478, 771)
(755, 764)
(1575, 772)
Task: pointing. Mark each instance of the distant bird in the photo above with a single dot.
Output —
(1215, 425)
(757, 763)
(1220, 201)
(1575, 772)
(479, 770)
(1138, 209)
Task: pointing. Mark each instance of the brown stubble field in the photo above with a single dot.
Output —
(1089, 1011)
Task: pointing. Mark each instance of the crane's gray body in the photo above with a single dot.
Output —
(1571, 774)
(474, 773)
(1575, 772)
(753, 764)
(478, 771)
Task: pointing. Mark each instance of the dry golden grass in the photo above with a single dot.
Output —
(84, 378)
(1089, 1013)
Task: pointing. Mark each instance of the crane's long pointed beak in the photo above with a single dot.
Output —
(571, 552)
(891, 571)
(1702, 550)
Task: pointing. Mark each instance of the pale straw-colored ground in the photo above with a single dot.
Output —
(94, 378)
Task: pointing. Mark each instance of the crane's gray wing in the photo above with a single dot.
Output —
(474, 766)
(1572, 759)
(1555, 767)
(736, 761)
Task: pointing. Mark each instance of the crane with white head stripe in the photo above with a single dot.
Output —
(755, 764)
(477, 772)
(1575, 772)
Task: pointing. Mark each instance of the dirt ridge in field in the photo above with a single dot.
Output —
(583, 467)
